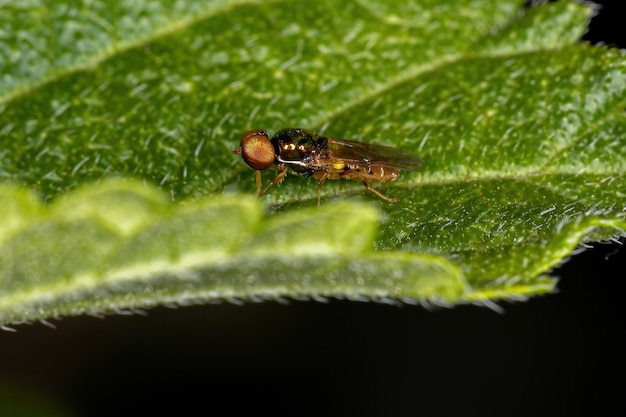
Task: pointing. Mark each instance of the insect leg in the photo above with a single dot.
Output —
(258, 184)
(379, 194)
(279, 178)
(319, 188)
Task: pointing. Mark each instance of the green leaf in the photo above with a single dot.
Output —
(71, 259)
(521, 130)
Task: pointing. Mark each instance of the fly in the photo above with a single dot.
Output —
(301, 152)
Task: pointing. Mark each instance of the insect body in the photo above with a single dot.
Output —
(304, 153)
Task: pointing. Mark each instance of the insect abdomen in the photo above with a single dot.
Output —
(367, 172)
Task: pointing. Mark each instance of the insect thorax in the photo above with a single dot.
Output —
(298, 149)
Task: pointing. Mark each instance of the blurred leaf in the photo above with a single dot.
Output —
(17, 400)
(521, 130)
(70, 259)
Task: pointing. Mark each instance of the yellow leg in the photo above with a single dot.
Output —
(319, 189)
(258, 184)
(279, 178)
(379, 194)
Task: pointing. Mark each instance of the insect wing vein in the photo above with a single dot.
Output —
(355, 152)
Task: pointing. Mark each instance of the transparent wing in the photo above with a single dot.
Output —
(361, 153)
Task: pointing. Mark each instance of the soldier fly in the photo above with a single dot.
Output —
(307, 154)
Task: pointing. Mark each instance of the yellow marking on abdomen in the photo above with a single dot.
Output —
(339, 165)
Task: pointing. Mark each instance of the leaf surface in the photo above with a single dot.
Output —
(521, 130)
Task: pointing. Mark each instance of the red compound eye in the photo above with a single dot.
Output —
(257, 150)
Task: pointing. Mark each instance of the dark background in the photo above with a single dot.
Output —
(560, 354)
